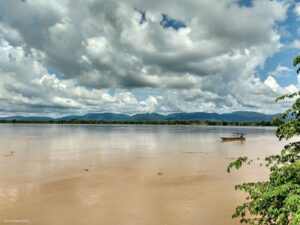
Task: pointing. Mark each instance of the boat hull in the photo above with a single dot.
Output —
(233, 138)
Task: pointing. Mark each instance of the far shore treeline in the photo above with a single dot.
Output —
(176, 122)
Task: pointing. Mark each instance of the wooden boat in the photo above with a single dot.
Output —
(235, 137)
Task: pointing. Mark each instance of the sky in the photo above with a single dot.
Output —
(63, 57)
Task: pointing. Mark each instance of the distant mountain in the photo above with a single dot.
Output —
(26, 118)
(98, 116)
(239, 116)
(248, 116)
(148, 117)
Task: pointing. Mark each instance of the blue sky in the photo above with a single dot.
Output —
(289, 28)
(246, 3)
(59, 58)
(285, 55)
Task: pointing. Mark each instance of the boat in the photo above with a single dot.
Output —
(235, 137)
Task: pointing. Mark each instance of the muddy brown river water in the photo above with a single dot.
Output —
(125, 175)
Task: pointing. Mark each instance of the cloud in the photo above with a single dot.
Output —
(297, 9)
(272, 83)
(281, 72)
(296, 44)
(208, 63)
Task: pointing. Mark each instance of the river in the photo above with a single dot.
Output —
(125, 175)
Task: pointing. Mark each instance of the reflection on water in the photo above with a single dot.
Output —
(114, 174)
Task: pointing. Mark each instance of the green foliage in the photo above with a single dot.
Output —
(296, 61)
(277, 200)
(237, 163)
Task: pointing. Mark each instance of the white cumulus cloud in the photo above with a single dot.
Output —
(63, 57)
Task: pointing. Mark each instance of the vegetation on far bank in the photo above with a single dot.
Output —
(171, 122)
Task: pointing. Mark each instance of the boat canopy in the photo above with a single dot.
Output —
(239, 134)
